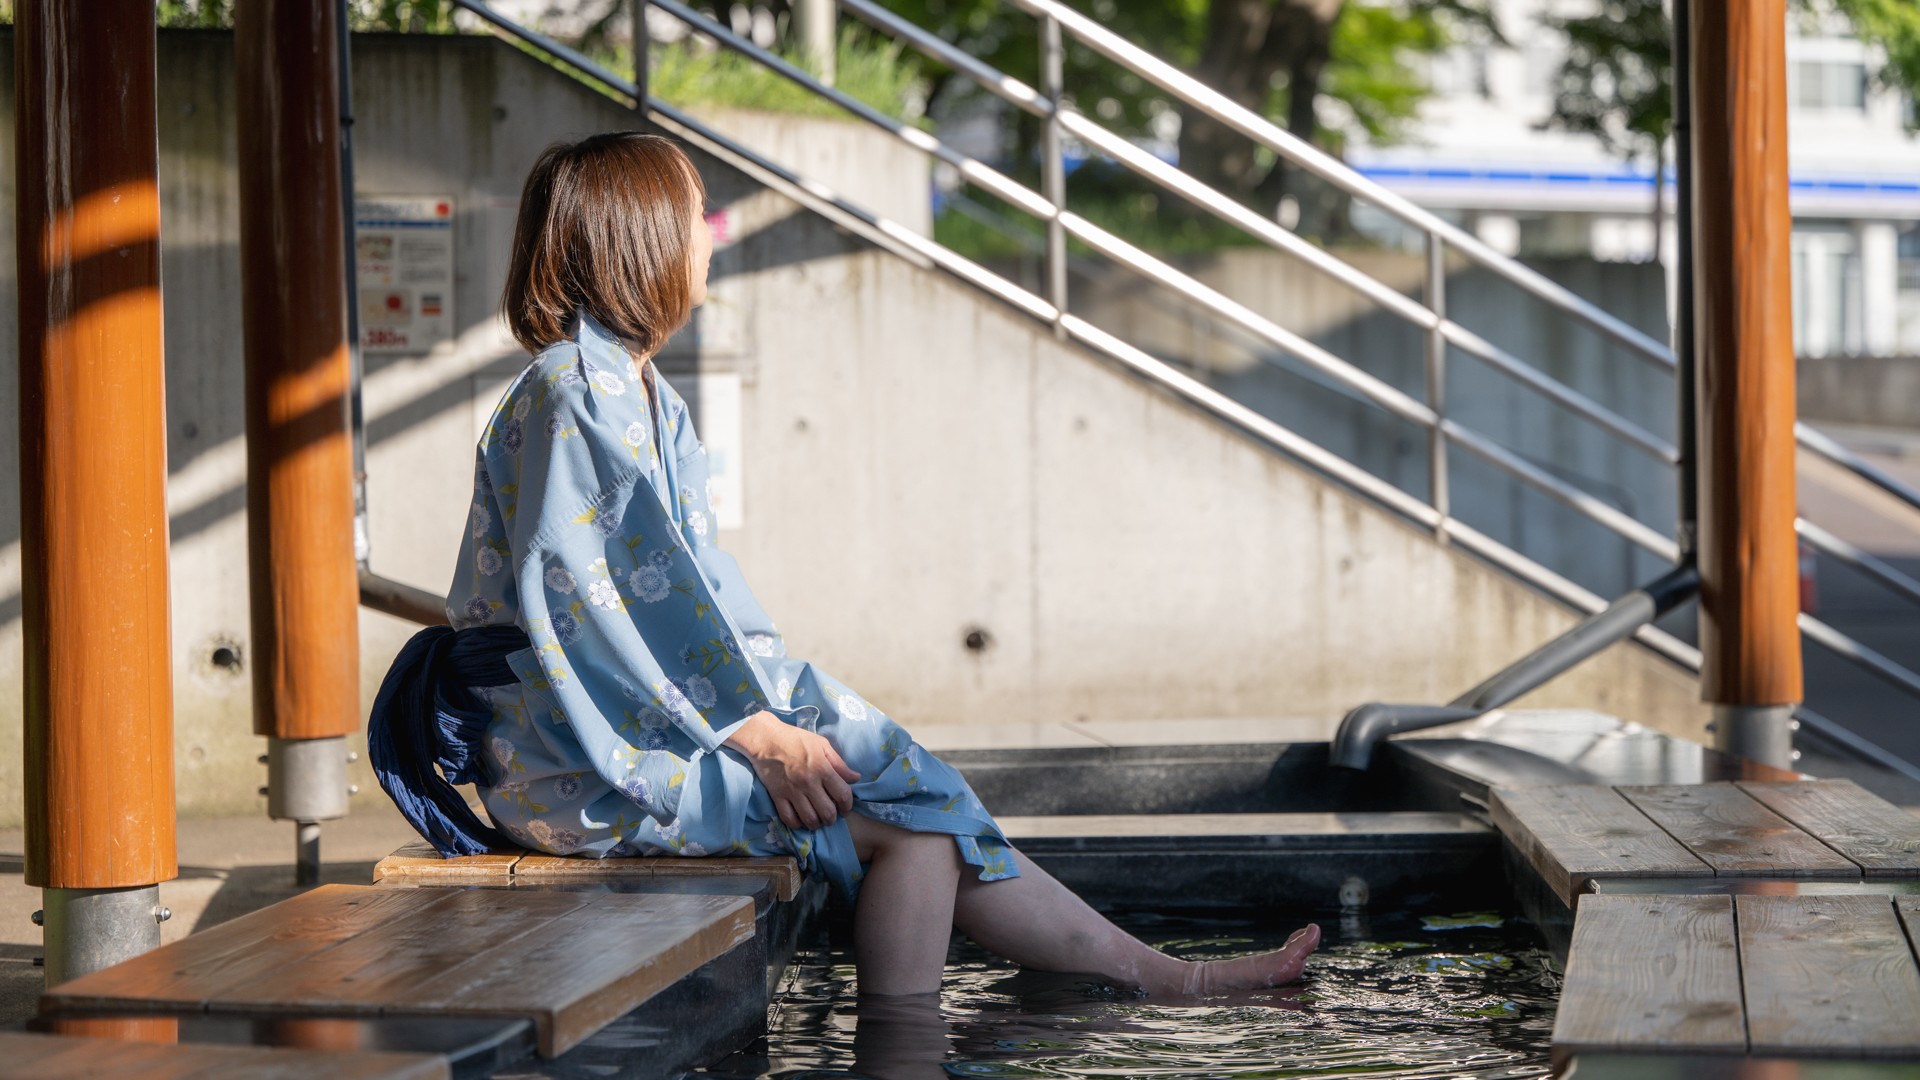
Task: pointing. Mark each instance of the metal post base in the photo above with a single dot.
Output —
(307, 784)
(1762, 733)
(91, 929)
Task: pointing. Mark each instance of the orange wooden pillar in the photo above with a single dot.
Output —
(93, 478)
(299, 448)
(1749, 600)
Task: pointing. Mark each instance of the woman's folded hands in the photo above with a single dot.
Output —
(801, 770)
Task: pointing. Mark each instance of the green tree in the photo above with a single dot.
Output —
(1616, 85)
(1326, 70)
(416, 16)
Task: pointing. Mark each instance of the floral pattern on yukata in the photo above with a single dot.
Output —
(592, 528)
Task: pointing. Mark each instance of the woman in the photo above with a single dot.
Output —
(628, 694)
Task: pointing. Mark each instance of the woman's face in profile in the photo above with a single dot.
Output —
(702, 251)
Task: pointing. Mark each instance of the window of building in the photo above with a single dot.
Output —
(1828, 315)
(1907, 298)
(1827, 85)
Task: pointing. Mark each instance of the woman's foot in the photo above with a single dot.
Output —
(1257, 972)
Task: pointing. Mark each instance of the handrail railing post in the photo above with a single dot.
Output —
(1053, 166)
(1437, 383)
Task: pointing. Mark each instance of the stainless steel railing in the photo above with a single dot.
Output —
(1429, 413)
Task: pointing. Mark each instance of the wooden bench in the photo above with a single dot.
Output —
(418, 863)
(63, 1057)
(571, 961)
(1577, 837)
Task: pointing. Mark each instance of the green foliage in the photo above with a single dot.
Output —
(1617, 81)
(1895, 26)
(1368, 72)
(194, 14)
(877, 74)
(414, 16)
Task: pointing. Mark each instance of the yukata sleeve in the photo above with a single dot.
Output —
(630, 640)
(482, 592)
(694, 493)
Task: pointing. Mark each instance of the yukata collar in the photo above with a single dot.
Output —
(596, 338)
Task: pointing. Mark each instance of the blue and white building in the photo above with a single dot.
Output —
(1482, 154)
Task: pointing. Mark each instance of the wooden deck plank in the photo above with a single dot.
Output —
(568, 960)
(1728, 830)
(1572, 833)
(60, 1057)
(780, 871)
(391, 962)
(1647, 973)
(585, 975)
(259, 942)
(1882, 838)
(1829, 976)
(418, 863)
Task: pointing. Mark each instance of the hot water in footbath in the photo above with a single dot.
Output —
(1211, 852)
(1390, 995)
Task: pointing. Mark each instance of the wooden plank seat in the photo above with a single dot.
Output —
(570, 961)
(65, 1057)
(1831, 976)
(417, 863)
(1833, 830)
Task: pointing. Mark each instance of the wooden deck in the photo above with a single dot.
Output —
(1740, 919)
(571, 961)
(1827, 830)
(419, 864)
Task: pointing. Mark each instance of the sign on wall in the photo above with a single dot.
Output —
(403, 249)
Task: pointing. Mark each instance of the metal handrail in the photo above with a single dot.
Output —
(1312, 158)
(1078, 125)
(1439, 232)
(1376, 391)
(895, 237)
(1824, 445)
(1864, 561)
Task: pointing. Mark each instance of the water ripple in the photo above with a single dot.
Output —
(1429, 995)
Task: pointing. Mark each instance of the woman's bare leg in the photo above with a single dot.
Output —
(1037, 922)
(904, 917)
(914, 892)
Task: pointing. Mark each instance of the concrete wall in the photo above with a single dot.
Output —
(918, 463)
(1871, 391)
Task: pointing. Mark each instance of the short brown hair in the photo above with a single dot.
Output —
(603, 228)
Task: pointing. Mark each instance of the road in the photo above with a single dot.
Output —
(1863, 609)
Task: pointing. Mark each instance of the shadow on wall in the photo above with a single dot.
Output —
(200, 263)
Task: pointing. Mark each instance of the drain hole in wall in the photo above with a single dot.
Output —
(226, 658)
(978, 640)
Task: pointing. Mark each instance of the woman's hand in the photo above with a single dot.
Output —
(801, 770)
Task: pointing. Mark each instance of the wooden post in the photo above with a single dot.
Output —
(93, 478)
(299, 448)
(1749, 598)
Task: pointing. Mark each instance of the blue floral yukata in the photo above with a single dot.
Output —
(592, 530)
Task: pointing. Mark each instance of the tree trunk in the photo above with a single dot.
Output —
(1237, 62)
(1308, 28)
